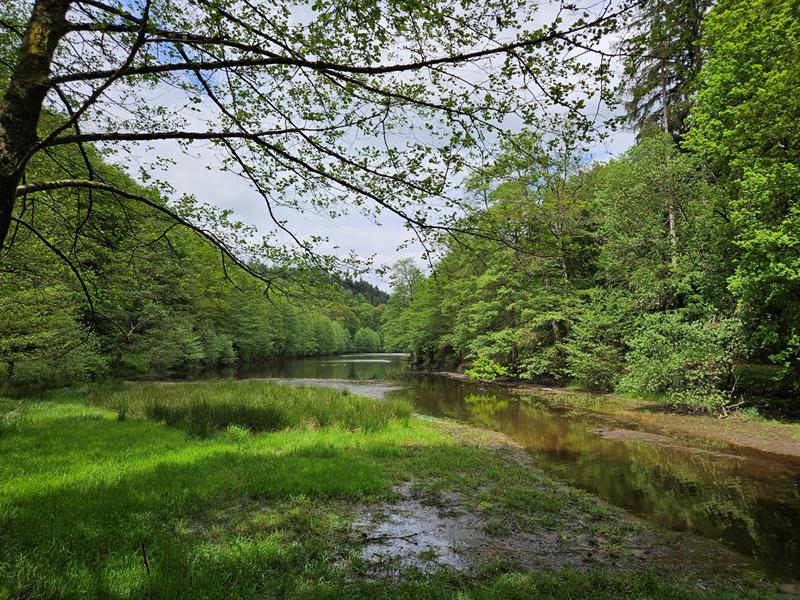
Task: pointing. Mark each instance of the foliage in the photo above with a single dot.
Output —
(744, 124)
(663, 265)
(366, 340)
(663, 57)
(615, 276)
(43, 343)
(597, 348)
(689, 361)
(281, 101)
(159, 300)
(486, 369)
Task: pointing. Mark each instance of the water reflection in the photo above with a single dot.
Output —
(748, 500)
(390, 367)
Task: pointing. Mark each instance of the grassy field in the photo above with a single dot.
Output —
(248, 490)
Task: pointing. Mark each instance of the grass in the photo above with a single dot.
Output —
(205, 409)
(93, 506)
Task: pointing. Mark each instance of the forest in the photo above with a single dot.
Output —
(153, 299)
(672, 270)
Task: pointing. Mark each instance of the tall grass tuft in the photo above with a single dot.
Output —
(204, 409)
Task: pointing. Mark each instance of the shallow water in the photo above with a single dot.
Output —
(746, 499)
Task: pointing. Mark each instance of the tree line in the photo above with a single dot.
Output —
(107, 269)
(671, 270)
(140, 294)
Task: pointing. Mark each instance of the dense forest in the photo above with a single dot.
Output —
(146, 296)
(673, 269)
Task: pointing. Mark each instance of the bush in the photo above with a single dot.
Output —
(485, 368)
(689, 361)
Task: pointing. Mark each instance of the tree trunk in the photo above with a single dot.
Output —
(556, 330)
(664, 101)
(21, 105)
(673, 233)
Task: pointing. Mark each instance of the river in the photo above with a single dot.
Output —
(746, 499)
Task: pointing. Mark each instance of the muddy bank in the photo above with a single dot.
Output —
(427, 527)
(765, 436)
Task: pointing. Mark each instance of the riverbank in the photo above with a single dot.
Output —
(738, 428)
(100, 497)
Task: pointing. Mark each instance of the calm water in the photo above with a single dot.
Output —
(746, 499)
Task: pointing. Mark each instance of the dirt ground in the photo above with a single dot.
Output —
(430, 530)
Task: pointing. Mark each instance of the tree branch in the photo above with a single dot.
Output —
(28, 189)
(318, 65)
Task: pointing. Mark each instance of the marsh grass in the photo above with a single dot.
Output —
(203, 410)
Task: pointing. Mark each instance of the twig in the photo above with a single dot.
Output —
(381, 538)
(144, 557)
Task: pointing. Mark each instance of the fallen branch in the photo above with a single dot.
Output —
(383, 538)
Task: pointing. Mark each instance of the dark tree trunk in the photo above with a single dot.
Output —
(21, 105)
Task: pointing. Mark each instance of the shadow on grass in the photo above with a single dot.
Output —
(83, 500)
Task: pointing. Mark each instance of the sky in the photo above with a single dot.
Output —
(197, 173)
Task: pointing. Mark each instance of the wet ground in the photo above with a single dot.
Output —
(746, 499)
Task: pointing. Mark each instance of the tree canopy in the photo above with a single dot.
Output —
(367, 106)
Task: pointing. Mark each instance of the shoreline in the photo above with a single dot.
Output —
(763, 435)
(424, 508)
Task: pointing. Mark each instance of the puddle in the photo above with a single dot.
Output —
(416, 532)
(409, 533)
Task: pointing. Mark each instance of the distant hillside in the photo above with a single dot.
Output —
(372, 294)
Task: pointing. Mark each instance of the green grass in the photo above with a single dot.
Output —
(84, 497)
(205, 409)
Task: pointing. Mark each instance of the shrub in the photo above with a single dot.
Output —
(689, 361)
(235, 434)
(485, 368)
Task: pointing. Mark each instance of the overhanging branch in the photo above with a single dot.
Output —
(25, 190)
